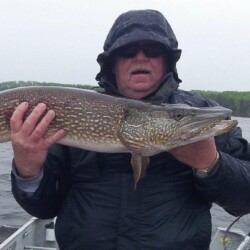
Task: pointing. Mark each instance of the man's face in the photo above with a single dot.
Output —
(139, 68)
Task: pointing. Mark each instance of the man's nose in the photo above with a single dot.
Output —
(140, 55)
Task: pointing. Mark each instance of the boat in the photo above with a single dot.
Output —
(38, 234)
(230, 239)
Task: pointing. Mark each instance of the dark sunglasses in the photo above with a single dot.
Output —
(149, 50)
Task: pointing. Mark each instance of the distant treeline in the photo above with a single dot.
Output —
(239, 102)
(16, 84)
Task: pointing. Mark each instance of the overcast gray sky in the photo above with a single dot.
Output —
(58, 40)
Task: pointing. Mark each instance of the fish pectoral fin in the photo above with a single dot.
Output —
(139, 164)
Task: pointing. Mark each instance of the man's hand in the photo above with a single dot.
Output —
(30, 146)
(198, 155)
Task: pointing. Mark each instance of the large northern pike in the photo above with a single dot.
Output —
(103, 123)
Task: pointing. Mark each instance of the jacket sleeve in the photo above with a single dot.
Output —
(229, 185)
(46, 201)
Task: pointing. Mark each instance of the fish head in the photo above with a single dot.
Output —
(181, 124)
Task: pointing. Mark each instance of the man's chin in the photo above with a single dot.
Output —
(139, 92)
(141, 89)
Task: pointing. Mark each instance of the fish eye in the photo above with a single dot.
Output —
(178, 116)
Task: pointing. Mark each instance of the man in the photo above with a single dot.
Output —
(92, 193)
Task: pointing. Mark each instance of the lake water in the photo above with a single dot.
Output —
(12, 214)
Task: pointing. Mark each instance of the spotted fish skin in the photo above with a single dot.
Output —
(103, 123)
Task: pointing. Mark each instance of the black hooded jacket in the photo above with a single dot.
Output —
(134, 26)
(92, 194)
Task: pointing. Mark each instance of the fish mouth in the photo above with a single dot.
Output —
(201, 130)
(205, 123)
